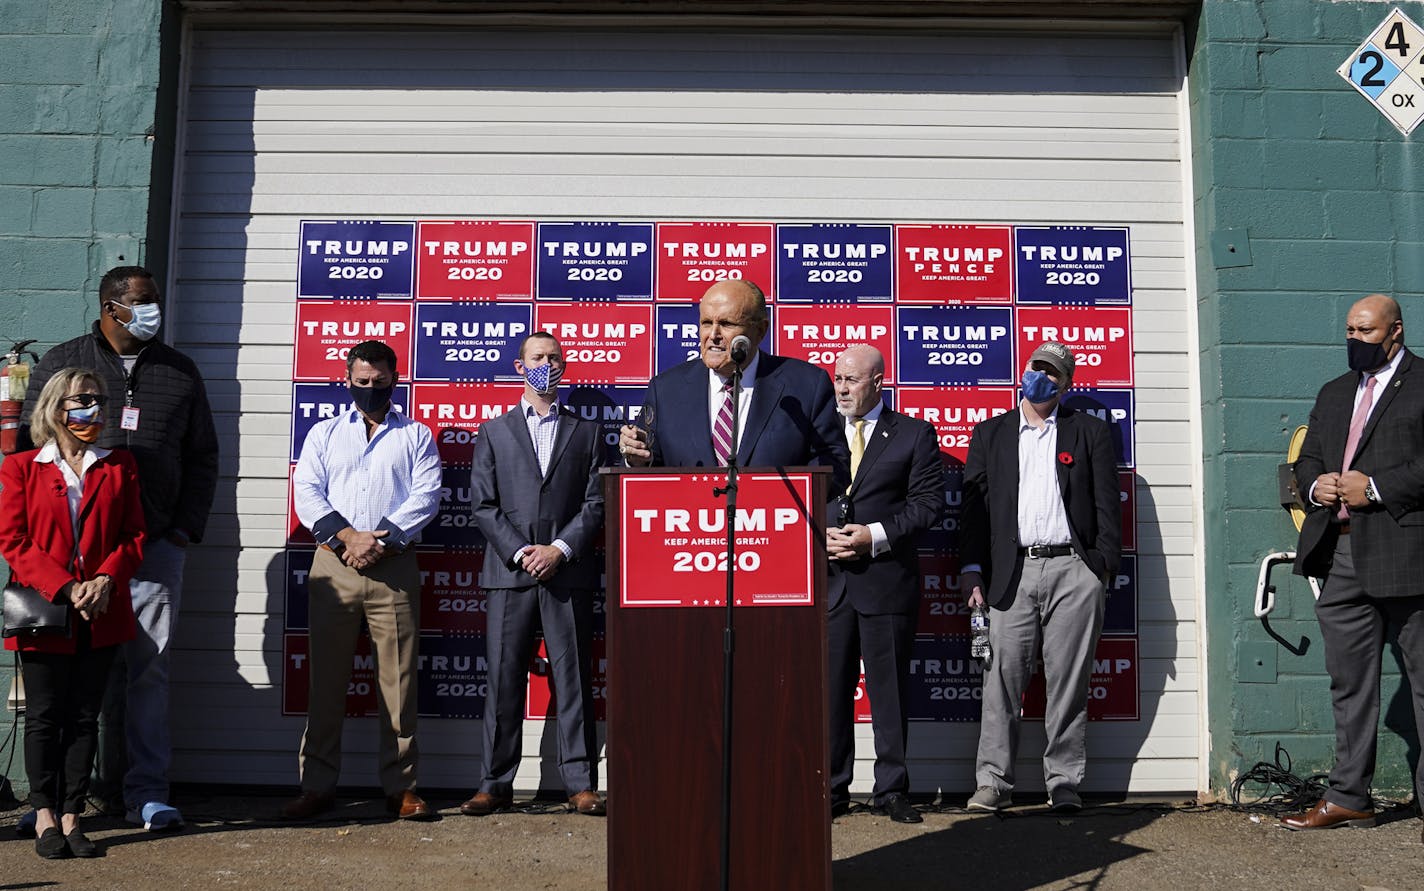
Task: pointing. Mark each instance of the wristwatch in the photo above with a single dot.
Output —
(1370, 494)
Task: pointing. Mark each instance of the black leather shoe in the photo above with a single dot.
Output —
(50, 844)
(80, 845)
(898, 808)
(840, 808)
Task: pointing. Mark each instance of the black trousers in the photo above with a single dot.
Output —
(883, 642)
(63, 696)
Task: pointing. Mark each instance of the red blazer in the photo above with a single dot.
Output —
(37, 538)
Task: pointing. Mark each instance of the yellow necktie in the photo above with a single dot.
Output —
(857, 446)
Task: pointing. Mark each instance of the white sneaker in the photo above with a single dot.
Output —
(987, 798)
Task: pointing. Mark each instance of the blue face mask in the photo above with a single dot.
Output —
(146, 317)
(544, 379)
(1038, 387)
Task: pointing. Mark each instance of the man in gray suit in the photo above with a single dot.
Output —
(1363, 485)
(538, 502)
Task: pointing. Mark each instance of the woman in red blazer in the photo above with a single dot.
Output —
(68, 484)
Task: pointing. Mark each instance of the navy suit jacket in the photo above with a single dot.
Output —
(792, 420)
(900, 484)
(1386, 539)
(515, 505)
(1087, 480)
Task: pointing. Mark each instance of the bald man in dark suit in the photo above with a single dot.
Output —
(1361, 470)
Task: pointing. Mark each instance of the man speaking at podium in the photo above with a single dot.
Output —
(786, 413)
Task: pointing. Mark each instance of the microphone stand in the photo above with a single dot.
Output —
(728, 634)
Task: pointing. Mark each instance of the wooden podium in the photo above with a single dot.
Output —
(665, 681)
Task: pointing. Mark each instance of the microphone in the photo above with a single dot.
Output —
(741, 344)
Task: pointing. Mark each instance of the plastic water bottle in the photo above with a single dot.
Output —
(979, 635)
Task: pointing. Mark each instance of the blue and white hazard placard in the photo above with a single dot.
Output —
(356, 259)
(1388, 70)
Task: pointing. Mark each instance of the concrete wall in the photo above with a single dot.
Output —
(78, 87)
(1321, 197)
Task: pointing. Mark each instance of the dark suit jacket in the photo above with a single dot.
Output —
(792, 420)
(1087, 479)
(1385, 540)
(900, 484)
(37, 538)
(514, 505)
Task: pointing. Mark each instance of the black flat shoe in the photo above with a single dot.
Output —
(50, 844)
(80, 845)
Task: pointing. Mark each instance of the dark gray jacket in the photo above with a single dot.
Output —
(175, 444)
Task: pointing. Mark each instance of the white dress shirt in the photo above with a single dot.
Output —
(1042, 518)
(543, 430)
(391, 481)
(879, 542)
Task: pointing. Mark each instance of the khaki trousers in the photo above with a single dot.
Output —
(387, 596)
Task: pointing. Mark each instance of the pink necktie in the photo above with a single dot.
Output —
(1357, 429)
(722, 427)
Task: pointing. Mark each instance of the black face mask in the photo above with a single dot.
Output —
(371, 400)
(1365, 356)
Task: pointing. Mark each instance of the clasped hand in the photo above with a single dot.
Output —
(363, 549)
(848, 542)
(542, 561)
(91, 598)
(1333, 488)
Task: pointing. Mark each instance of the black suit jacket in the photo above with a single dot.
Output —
(791, 422)
(1385, 540)
(900, 484)
(1087, 480)
(515, 505)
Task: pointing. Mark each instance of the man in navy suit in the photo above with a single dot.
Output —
(787, 411)
(896, 493)
(1041, 532)
(538, 503)
(1360, 474)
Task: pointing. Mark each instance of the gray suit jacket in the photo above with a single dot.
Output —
(515, 505)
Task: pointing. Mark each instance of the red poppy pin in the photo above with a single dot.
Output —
(60, 488)
(1065, 458)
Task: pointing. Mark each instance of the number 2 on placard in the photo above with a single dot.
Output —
(1368, 79)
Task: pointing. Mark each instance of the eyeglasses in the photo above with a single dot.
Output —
(85, 400)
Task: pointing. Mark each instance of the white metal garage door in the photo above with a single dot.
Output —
(970, 127)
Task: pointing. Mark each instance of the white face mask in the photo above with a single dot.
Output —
(146, 317)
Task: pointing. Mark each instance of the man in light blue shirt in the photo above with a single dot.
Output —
(367, 482)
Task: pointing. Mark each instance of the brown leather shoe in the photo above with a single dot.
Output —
(409, 806)
(1327, 816)
(483, 804)
(307, 805)
(588, 802)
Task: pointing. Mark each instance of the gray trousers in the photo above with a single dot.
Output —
(566, 618)
(1059, 603)
(1354, 627)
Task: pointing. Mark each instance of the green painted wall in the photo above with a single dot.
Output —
(1291, 161)
(78, 87)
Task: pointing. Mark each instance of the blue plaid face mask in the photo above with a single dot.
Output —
(544, 379)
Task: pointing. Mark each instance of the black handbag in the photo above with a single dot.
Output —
(28, 614)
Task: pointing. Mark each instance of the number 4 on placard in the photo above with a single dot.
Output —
(1396, 40)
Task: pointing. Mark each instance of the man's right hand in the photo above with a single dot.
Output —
(633, 445)
(1327, 490)
(363, 549)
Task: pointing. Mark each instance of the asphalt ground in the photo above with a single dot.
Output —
(233, 841)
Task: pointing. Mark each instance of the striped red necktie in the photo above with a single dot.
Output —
(722, 428)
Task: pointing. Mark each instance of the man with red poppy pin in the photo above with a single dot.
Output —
(1040, 535)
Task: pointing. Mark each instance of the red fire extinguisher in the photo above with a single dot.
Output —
(12, 394)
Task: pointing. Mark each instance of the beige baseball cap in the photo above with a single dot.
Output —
(1058, 355)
